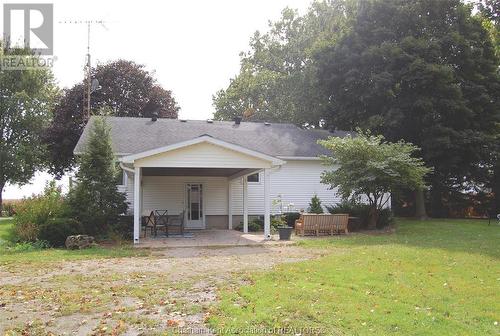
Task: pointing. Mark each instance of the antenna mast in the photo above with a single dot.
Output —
(87, 69)
(88, 81)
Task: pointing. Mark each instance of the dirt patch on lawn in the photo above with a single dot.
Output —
(131, 296)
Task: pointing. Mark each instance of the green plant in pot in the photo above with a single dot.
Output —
(279, 224)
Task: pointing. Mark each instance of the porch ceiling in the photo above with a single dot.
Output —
(165, 171)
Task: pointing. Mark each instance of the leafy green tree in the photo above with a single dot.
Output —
(277, 80)
(490, 11)
(26, 98)
(370, 169)
(126, 90)
(95, 201)
(424, 71)
(315, 205)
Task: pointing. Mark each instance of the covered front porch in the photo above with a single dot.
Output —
(203, 180)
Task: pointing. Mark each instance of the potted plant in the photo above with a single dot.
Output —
(284, 231)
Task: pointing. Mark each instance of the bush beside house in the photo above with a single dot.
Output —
(359, 214)
(43, 218)
(315, 205)
(95, 201)
(257, 224)
(92, 207)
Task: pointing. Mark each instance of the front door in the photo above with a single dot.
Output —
(194, 209)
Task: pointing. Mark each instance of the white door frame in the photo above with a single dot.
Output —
(186, 205)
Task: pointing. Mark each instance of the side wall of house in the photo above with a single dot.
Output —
(292, 184)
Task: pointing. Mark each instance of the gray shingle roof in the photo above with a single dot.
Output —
(135, 135)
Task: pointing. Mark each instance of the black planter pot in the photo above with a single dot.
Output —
(285, 232)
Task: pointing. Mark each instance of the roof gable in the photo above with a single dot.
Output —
(219, 153)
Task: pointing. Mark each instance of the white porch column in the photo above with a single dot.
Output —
(137, 204)
(230, 204)
(245, 204)
(267, 203)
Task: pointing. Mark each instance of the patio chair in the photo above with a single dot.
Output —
(149, 223)
(176, 221)
(161, 220)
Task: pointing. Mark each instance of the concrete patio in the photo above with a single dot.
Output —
(211, 238)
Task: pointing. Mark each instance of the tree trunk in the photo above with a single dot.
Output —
(420, 212)
(437, 206)
(373, 218)
(2, 185)
(495, 209)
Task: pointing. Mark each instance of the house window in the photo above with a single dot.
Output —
(254, 178)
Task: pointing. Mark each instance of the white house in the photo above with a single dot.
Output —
(218, 172)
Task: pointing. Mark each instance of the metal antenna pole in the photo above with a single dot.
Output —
(89, 68)
(87, 80)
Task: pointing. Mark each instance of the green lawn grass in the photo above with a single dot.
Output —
(8, 255)
(439, 277)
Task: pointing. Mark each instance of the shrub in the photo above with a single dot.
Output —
(39, 209)
(352, 208)
(122, 229)
(254, 225)
(315, 205)
(291, 217)
(56, 230)
(361, 211)
(8, 208)
(30, 246)
(26, 232)
(36, 211)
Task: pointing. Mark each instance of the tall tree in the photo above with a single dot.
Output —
(277, 80)
(424, 71)
(26, 98)
(95, 201)
(490, 11)
(126, 90)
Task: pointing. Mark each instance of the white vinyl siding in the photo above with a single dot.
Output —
(202, 155)
(167, 192)
(296, 182)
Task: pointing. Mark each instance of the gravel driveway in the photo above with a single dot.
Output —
(170, 291)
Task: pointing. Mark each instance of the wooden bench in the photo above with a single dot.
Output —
(316, 224)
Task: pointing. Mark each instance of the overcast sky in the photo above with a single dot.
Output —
(192, 46)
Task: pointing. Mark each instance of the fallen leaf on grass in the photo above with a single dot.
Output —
(172, 323)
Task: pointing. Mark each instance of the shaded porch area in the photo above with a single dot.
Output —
(197, 180)
(212, 238)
